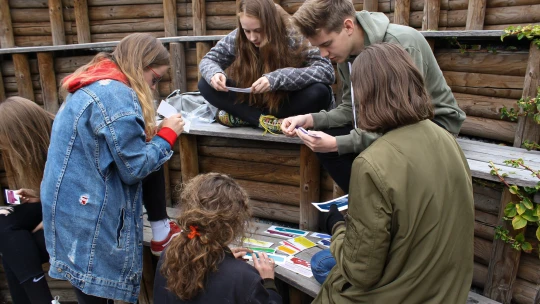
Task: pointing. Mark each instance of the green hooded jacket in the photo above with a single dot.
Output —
(377, 29)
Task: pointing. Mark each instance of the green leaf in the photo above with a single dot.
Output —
(538, 233)
(510, 210)
(520, 208)
(538, 210)
(528, 204)
(520, 238)
(514, 189)
(518, 222)
(529, 216)
(527, 247)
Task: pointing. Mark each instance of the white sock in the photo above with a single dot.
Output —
(160, 229)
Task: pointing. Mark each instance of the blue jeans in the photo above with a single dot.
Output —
(321, 264)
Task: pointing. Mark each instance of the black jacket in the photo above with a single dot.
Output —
(235, 282)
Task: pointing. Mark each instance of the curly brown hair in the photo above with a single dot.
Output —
(218, 207)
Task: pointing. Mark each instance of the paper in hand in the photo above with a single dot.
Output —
(12, 198)
(239, 90)
(308, 133)
(166, 110)
(341, 202)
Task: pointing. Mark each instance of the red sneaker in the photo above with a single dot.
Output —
(158, 247)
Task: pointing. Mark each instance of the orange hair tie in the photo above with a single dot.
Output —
(193, 232)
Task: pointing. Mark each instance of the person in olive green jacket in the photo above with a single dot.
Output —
(408, 235)
(341, 33)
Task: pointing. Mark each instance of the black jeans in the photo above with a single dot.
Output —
(338, 166)
(83, 298)
(310, 99)
(23, 252)
(153, 193)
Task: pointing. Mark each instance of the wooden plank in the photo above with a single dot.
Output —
(170, 19)
(402, 12)
(309, 188)
(178, 66)
(188, 157)
(6, 30)
(483, 80)
(269, 156)
(57, 22)
(240, 133)
(484, 231)
(504, 261)
(430, 21)
(268, 192)
(527, 128)
(482, 250)
(47, 79)
(489, 128)
(371, 5)
(222, 141)
(275, 211)
(513, 14)
(501, 63)
(202, 49)
(475, 15)
(514, 94)
(483, 106)
(22, 73)
(81, 19)
(517, 177)
(486, 199)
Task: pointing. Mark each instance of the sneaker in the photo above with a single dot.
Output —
(158, 247)
(270, 124)
(56, 300)
(226, 119)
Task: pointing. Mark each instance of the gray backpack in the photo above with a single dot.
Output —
(192, 106)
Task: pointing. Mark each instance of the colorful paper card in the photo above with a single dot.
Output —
(12, 198)
(262, 249)
(285, 232)
(258, 243)
(299, 266)
(325, 243)
(341, 202)
(321, 235)
(287, 249)
(278, 258)
(302, 243)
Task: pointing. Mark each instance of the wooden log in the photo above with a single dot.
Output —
(285, 175)
(48, 81)
(243, 143)
(527, 128)
(309, 188)
(513, 14)
(490, 92)
(178, 65)
(57, 22)
(28, 4)
(486, 199)
(221, 8)
(275, 193)
(485, 218)
(269, 156)
(202, 49)
(199, 17)
(402, 12)
(476, 14)
(430, 21)
(529, 268)
(484, 231)
(503, 26)
(489, 128)
(170, 21)
(482, 250)
(221, 22)
(479, 275)
(30, 15)
(81, 19)
(275, 211)
(501, 63)
(480, 80)
(37, 28)
(371, 5)
(22, 73)
(188, 157)
(504, 261)
(125, 12)
(482, 106)
(6, 29)
(524, 292)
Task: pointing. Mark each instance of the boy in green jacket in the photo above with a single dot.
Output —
(341, 33)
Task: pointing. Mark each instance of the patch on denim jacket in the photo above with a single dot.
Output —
(83, 199)
(104, 82)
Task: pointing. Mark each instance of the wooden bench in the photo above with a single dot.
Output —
(301, 285)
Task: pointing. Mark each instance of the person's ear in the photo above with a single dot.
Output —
(348, 25)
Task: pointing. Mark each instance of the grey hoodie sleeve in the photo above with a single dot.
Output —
(219, 57)
(316, 69)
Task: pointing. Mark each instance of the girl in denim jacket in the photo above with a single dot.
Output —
(102, 147)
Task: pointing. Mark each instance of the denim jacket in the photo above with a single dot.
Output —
(91, 190)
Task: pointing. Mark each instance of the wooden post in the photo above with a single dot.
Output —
(402, 12)
(81, 20)
(2, 89)
(57, 22)
(178, 65)
(22, 75)
(199, 28)
(189, 159)
(310, 181)
(504, 261)
(6, 30)
(475, 15)
(527, 128)
(169, 18)
(371, 5)
(202, 49)
(430, 21)
(47, 79)
(337, 191)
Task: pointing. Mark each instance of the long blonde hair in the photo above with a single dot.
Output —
(251, 63)
(217, 207)
(25, 131)
(134, 54)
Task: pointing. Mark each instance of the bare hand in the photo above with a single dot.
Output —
(174, 122)
(218, 82)
(264, 265)
(262, 85)
(28, 195)
(289, 124)
(240, 252)
(38, 227)
(6, 211)
(324, 144)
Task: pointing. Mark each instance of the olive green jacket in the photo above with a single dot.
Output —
(377, 29)
(409, 231)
